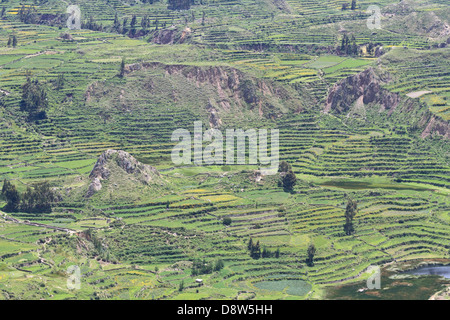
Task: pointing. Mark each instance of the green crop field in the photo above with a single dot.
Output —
(364, 121)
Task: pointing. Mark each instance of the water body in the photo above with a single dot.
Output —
(292, 287)
(359, 185)
(443, 271)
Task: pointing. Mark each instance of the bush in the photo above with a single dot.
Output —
(34, 200)
(227, 221)
(34, 100)
(289, 181)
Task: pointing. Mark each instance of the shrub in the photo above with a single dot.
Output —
(227, 221)
(34, 100)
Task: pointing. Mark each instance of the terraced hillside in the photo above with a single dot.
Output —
(371, 125)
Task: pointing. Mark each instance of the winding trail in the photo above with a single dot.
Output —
(35, 224)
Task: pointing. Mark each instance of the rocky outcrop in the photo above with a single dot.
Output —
(364, 87)
(113, 162)
(171, 35)
(282, 5)
(214, 119)
(232, 87)
(365, 90)
(436, 126)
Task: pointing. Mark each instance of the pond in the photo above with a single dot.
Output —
(360, 185)
(291, 287)
(397, 283)
(443, 271)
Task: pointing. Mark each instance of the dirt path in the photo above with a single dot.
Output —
(35, 224)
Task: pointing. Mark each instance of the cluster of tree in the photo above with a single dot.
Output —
(34, 100)
(10, 193)
(132, 28)
(352, 6)
(12, 41)
(349, 46)
(288, 178)
(179, 4)
(256, 252)
(91, 24)
(203, 267)
(28, 14)
(350, 212)
(38, 199)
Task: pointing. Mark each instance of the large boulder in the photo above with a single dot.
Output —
(115, 163)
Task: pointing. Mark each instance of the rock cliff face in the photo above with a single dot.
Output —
(364, 90)
(364, 87)
(118, 162)
(171, 36)
(227, 90)
(435, 125)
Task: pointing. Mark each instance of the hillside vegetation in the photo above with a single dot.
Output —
(87, 115)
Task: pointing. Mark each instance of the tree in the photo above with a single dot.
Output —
(289, 180)
(11, 195)
(350, 212)
(370, 48)
(256, 253)
(266, 253)
(179, 4)
(255, 249)
(219, 265)
(277, 253)
(227, 221)
(311, 253)
(122, 68)
(181, 286)
(344, 43)
(59, 81)
(354, 48)
(353, 5)
(145, 22)
(14, 41)
(116, 24)
(201, 267)
(34, 100)
(124, 25)
(133, 21)
(284, 166)
(250, 244)
(38, 199)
